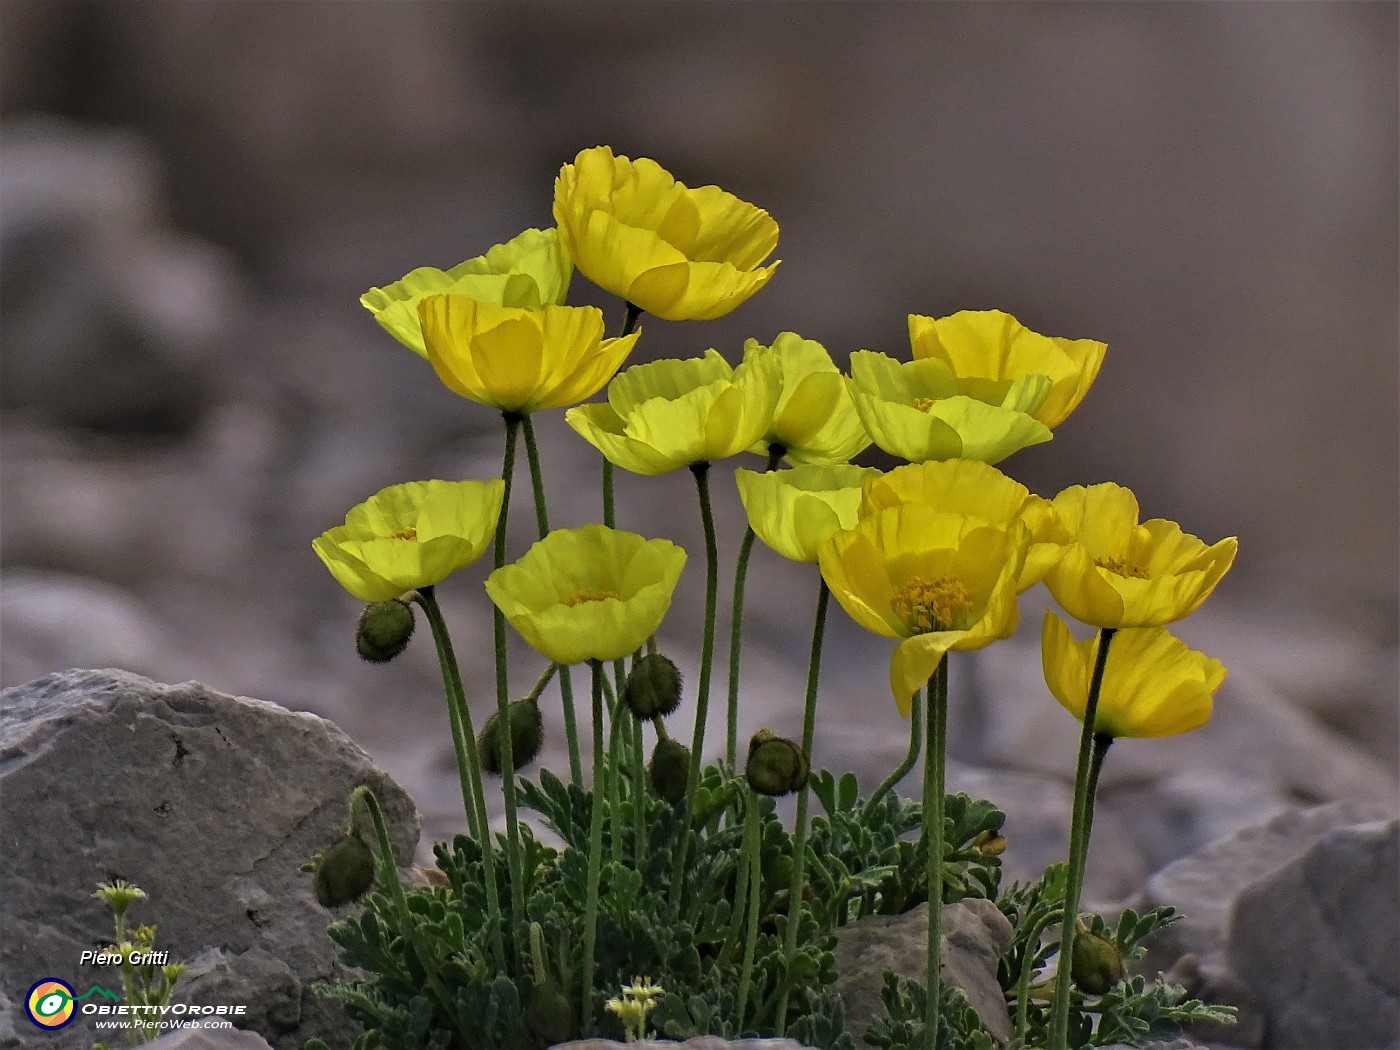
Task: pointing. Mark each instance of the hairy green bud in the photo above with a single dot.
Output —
(550, 1016)
(1096, 963)
(653, 687)
(669, 769)
(384, 630)
(776, 765)
(526, 736)
(343, 872)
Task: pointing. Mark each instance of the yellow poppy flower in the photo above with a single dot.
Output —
(796, 511)
(592, 593)
(670, 414)
(1117, 573)
(410, 536)
(973, 489)
(992, 347)
(1153, 685)
(678, 253)
(936, 581)
(815, 420)
(920, 410)
(531, 270)
(519, 359)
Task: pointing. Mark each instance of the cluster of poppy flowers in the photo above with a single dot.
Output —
(932, 554)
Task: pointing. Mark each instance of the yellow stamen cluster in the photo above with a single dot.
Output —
(409, 533)
(589, 596)
(1120, 567)
(923, 404)
(928, 605)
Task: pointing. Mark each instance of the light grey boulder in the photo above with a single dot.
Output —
(975, 936)
(1318, 942)
(210, 803)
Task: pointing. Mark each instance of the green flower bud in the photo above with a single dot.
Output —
(550, 1016)
(653, 687)
(384, 630)
(775, 766)
(669, 769)
(1096, 963)
(989, 843)
(526, 736)
(343, 872)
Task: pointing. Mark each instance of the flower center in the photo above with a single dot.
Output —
(923, 404)
(928, 605)
(1119, 567)
(580, 597)
(409, 533)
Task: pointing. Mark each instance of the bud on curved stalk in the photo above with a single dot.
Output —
(344, 871)
(1096, 964)
(653, 687)
(776, 766)
(526, 736)
(669, 769)
(384, 630)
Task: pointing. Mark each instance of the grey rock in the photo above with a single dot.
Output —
(208, 802)
(1318, 941)
(209, 1039)
(1203, 886)
(975, 936)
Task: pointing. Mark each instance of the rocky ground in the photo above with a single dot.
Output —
(190, 391)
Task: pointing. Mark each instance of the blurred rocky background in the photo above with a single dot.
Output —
(193, 196)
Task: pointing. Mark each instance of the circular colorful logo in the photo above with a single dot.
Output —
(50, 1003)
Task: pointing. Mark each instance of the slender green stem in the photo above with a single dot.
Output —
(629, 323)
(638, 777)
(595, 848)
(513, 865)
(468, 760)
(566, 684)
(389, 869)
(916, 730)
(618, 716)
(755, 873)
(933, 830)
(799, 844)
(1023, 982)
(610, 520)
(1085, 781)
(707, 654)
(736, 625)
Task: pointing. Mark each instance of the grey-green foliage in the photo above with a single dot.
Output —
(433, 984)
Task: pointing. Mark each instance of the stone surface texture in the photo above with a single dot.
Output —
(210, 803)
(975, 936)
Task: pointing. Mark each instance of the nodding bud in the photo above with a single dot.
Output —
(669, 769)
(1096, 964)
(343, 872)
(550, 1016)
(384, 630)
(526, 736)
(775, 766)
(653, 687)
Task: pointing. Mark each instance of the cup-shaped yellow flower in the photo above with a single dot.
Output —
(1153, 685)
(934, 580)
(974, 489)
(411, 535)
(796, 511)
(532, 269)
(670, 414)
(991, 347)
(815, 420)
(921, 410)
(1118, 573)
(519, 359)
(591, 593)
(681, 254)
